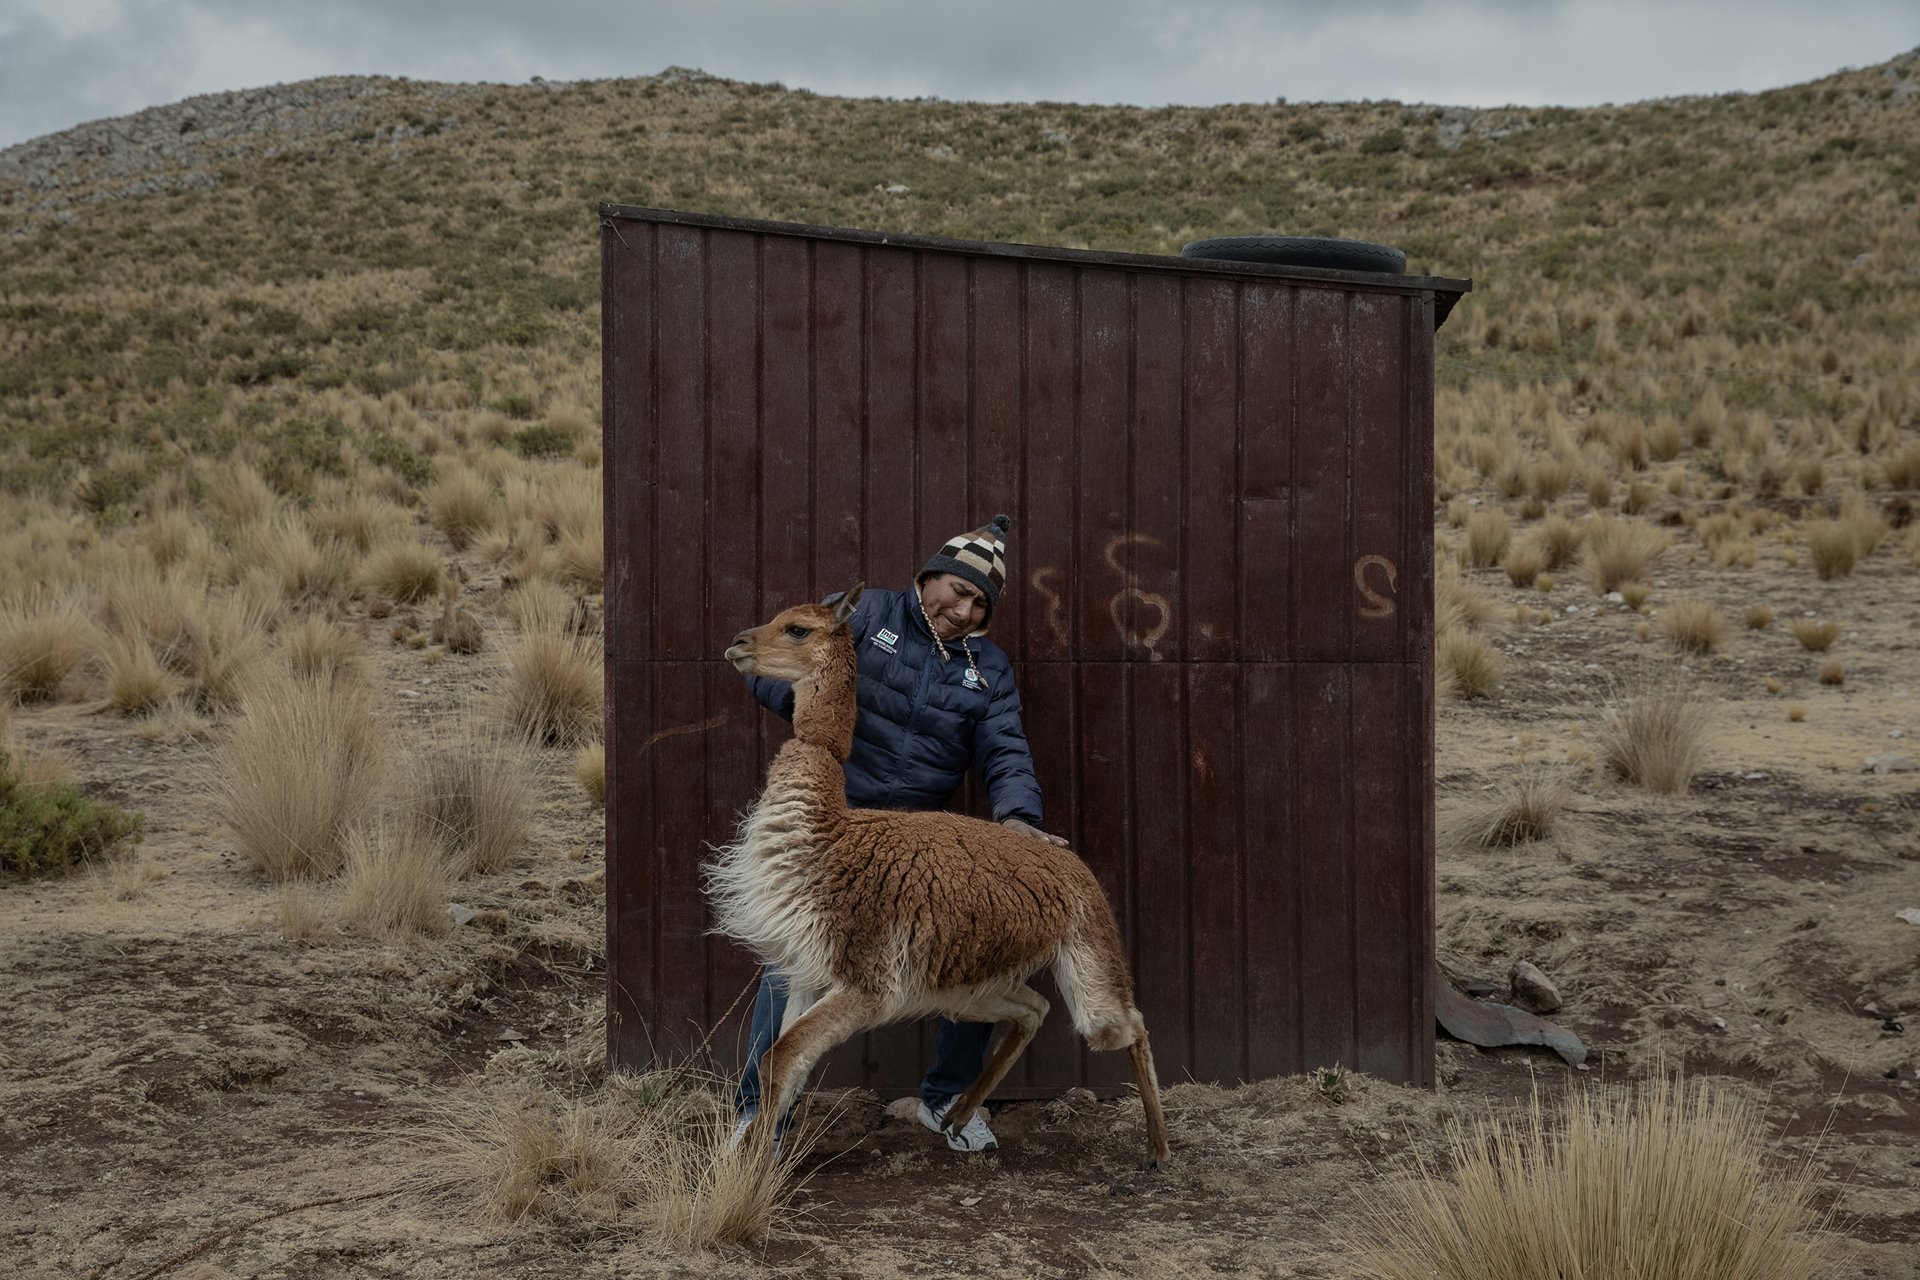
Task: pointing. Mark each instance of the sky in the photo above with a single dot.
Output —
(65, 62)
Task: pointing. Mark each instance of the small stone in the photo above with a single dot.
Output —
(1532, 990)
(1910, 915)
(459, 914)
(510, 1035)
(904, 1108)
(1889, 763)
(1714, 1000)
(969, 1202)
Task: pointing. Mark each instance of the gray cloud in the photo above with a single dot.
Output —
(59, 72)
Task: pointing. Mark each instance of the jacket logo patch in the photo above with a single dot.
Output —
(972, 679)
(886, 639)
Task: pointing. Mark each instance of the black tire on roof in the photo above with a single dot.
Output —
(1300, 251)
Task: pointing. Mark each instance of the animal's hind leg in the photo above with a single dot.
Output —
(785, 1066)
(1020, 1005)
(1140, 1057)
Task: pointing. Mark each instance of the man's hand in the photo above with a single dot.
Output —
(1028, 829)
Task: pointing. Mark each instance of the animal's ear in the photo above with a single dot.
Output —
(843, 607)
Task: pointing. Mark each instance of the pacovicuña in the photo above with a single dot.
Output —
(878, 916)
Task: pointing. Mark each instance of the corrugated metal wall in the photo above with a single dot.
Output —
(1219, 606)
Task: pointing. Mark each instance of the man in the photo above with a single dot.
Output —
(926, 718)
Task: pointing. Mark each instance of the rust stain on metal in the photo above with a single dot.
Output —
(1220, 612)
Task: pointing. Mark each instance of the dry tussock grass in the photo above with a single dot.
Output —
(299, 768)
(136, 682)
(1619, 550)
(1488, 534)
(394, 879)
(554, 688)
(590, 770)
(317, 649)
(1833, 671)
(1694, 625)
(461, 505)
(1758, 617)
(1667, 1178)
(1654, 731)
(473, 791)
(361, 521)
(1814, 634)
(1833, 549)
(650, 1153)
(1525, 562)
(402, 571)
(1457, 602)
(298, 912)
(1516, 809)
(1466, 665)
(43, 642)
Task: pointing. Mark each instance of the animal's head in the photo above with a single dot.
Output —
(798, 642)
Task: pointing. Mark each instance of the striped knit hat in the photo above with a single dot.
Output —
(980, 557)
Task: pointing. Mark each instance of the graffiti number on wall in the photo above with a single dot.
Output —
(1377, 605)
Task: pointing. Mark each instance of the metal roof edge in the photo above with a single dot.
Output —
(1446, 289)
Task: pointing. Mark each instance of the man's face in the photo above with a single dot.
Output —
(954, 606)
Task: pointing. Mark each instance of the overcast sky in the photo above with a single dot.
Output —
(63, 62)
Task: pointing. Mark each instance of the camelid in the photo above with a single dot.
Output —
(878, 916)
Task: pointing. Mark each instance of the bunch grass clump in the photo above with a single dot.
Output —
(1694, 625)
(43, 642)
(1814, 634)
(1521, 807)
(402, 571)
(590, 770)
(299, 769)
(1667, 1178)
(394, 879)
(1620, 550)
(473, 794)
(650, 1153)
(1654, 733)
(554, 688)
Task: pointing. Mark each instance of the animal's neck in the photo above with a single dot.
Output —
(825, 703)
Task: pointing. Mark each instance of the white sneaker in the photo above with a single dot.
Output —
(974, 1134)
(740, 1136)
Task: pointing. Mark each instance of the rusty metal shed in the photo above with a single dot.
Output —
(1219, 605)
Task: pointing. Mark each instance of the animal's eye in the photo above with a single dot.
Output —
(799, 632)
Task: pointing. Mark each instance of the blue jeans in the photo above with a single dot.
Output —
(959, 1052)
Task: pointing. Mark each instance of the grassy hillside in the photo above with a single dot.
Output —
(438, 242)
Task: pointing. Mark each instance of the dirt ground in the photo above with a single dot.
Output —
(171, 1067)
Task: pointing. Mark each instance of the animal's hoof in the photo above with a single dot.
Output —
(1156, 1164)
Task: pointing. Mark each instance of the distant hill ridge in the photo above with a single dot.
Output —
(182, 145)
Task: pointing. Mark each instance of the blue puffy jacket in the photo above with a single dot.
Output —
(923, 722)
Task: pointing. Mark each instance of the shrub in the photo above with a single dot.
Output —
(1693, 625)
(1655, 732)
(1758, 617)
(1833, 671)
(1560, 540)
(47, 827)
(299, 768)
(1667, 1178)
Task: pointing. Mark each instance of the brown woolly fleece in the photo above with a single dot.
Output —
(877, 916)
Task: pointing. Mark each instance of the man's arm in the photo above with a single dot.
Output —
(1005, 763)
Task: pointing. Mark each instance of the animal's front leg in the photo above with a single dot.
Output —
(798, 1002)
(835, 1017)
